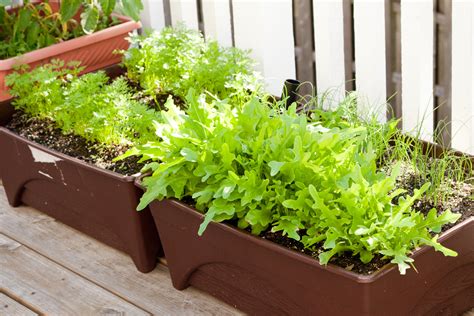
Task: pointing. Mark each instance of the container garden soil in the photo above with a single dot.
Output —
(94, 50)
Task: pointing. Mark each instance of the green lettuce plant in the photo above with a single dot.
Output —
(268, 168)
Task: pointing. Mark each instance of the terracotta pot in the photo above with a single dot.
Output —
(97, 202)
(263, 278)
(94, 51)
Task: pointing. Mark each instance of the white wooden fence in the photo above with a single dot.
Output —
(266, 27)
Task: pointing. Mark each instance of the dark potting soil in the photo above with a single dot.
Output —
(157, 103)
(345, 260)
(43, 132)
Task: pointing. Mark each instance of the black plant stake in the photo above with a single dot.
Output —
(290, 91)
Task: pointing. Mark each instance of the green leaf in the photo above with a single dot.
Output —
(399, 258)
(293, 204)
(220, 210)
(289, 226)
(107, 6)
(207, 220)
(227, 156)
(366, 256)
(89, 19)
(23, 21)
(152, 193)
(189, 154)
(435, 222)
(275, 167)
(69, 9)
(262, 217)
(32, 34)
(324, 257)
(3, 14)
(132, 8)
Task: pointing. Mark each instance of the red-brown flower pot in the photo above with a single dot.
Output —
(94, 51)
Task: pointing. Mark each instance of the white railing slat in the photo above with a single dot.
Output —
(370, 57)
(417, 67)
(266, 27)
(217, 21)
(153, 15)
(463, 76)
(184, 11)
(329, 49)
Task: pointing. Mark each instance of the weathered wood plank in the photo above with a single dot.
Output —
(52, 289)
(463, 76)
(370, 57)
(11, 307)
(417, 67)
(266, 27)
(329, 49)
(103, 265)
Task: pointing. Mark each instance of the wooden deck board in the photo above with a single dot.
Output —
(52, 289)
(108, 270)
(9, 306)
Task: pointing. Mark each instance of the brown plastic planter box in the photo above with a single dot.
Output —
(94, 51)
(97, 202)
(260, 277)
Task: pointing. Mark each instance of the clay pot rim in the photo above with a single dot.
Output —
(62, 156)
(331, 268)
(126, 26)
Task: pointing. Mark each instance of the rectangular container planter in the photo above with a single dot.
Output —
(263, 278)
(94, 51)
(260, 277)
(97, 202)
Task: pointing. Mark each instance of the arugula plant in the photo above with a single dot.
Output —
(89, 106)
(35, 25)
(270, 168)
(177, 59)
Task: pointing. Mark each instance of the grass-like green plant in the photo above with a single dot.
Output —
(177, 59)
(392, 146)
(268, 168)
(89, 106)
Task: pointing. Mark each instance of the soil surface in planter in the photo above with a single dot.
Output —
(43, 132)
